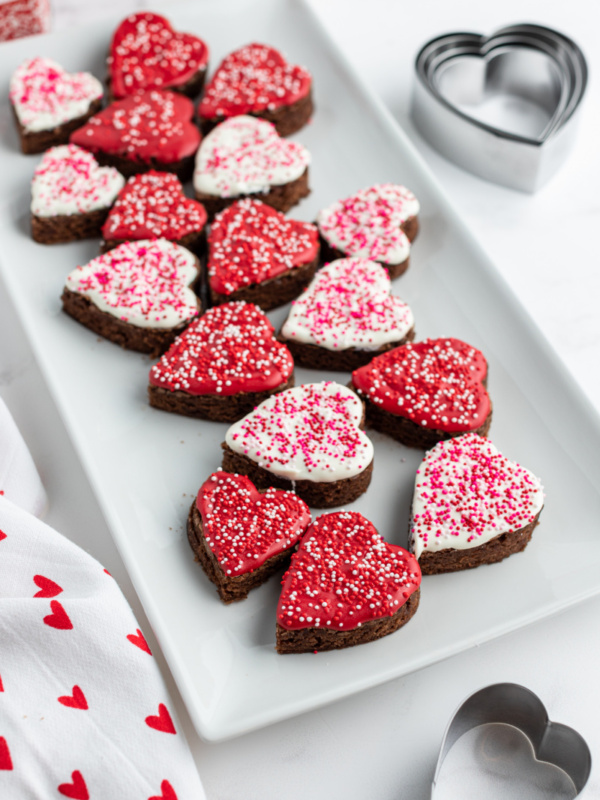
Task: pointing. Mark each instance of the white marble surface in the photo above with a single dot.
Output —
(383, 743)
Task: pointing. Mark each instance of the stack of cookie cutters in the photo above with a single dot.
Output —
(536, 66)
(509, 704)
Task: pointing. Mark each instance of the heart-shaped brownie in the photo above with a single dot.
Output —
(345, 586)
(377, 223)
(347, 307)
(426, 391)
(250, 243)
(471, 505)
(146, 53)
(153, 205)
(256, 79)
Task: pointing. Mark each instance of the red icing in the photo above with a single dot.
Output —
(230, 349)
(437, 383)
(149, 125)
(153, 205)
(344, 574)
(244, 527)
(250, 242)
(252, 79)
(24, 18)
(146, 53)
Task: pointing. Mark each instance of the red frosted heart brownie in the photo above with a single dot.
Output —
(49, 103)
(153, 206)
(137, 295)
(146, 53)
(424, 392)
(345, 586)
(257, 80)
(71, 195)
(308, 439)
(346, 316)
(148, 130)
(256, 254)
(245, 156)
(471, 506)
(222, 366)
(242, 536)
(378, 223)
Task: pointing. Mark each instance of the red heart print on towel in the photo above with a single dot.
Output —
(77, 700)
(138, 640)
(2, 534)
(48, 588)
(58, 618)
(5, 759)
(76, 790)
(167, 792)
(1, 684)
(162, 722)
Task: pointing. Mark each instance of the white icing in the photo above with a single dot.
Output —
(44, 95)
(467, 492)
(244, 155)
(348, 305)
(310, 432)
(145, 283)
(69, 180)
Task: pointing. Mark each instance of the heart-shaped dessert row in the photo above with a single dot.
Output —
(257, 254)
(424, 392)
(222, 366)
(346, 316)
(471, 506)
(257, 80)
(245, 156)
(49, 103)
(242, 536)
(377, 223)
(308, 439)
(137, 295)
(71, 195)
(345, 586)
(146, 53)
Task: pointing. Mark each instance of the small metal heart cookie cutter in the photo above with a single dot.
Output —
(518, 707)
(468, 87)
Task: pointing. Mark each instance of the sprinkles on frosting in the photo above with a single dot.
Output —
(250, 242)
(348, 304)
(230, 349)
(344, 574)
(467, 493)
(367, 224)
(143, 283)
(244, 527)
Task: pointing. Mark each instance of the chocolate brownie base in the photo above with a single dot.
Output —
(312, 356)
(190, 88)
(217, 408)
(497, 549)
(317, 495)
(236, 587)
(287, 119)
(68, 228)
(39, 141)
(273, 292)
(131, 337)
(184, 169)
(194, 242)
(309, 640)
(281, 198)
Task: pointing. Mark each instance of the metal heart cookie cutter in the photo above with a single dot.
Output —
(502, 106)
(497, 731)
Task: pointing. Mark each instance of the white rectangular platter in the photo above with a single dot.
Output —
(146, 465)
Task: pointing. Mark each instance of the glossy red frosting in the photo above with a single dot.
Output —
(344, 574)
(151, 206)
(146, 53)
(437, 383)
(244, 527)
(252, 79)
(250, 242)
(149, 125)
(230, 349)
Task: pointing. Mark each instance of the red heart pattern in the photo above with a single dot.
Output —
(48, 588)
(58, 618)
(2, 535)
(167, 792)
(1, 684)
(138, 640)
(76, 700)
(5, 758)
(146, 53)
(77, 790)
(162, 722)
